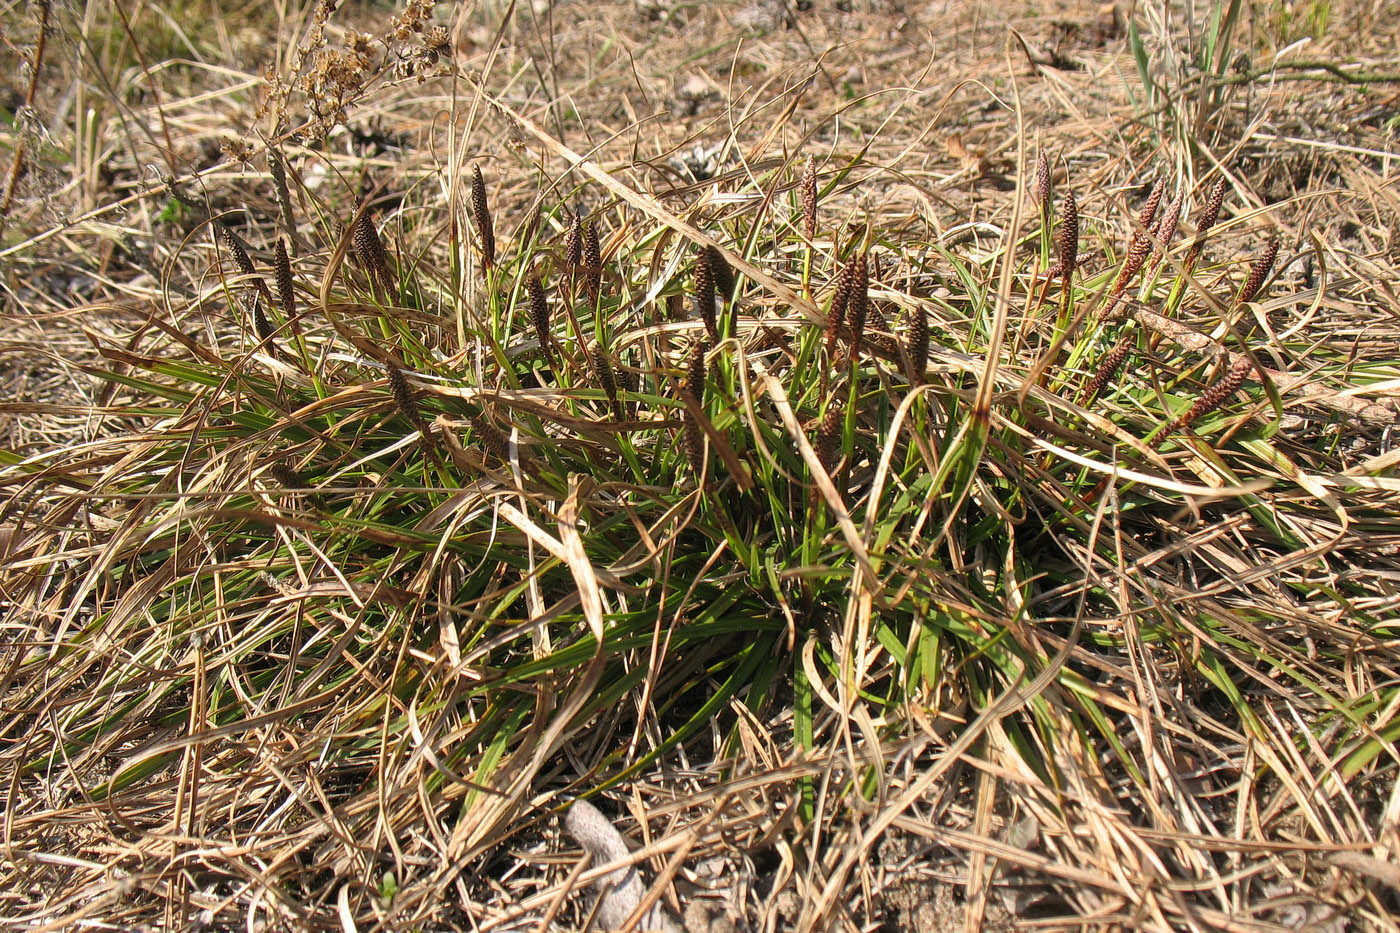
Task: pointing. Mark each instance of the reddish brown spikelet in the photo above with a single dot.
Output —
(694, 435)
(1149, 209)
(539, 313)
(1208, 218)
(918, 346)
(603, 371)
(807, 192)
(845, 285)
(573, 243)
(592, 260)
(369, 248)
(1042, 178)
(234, 245)
(1068, 238)
(1108, 368)
(828, 435)
(1166, 225)
(481, 216)
(282, 270)
(859, 304)
(1258, 271)
(492, 438)
(705, 294)
(720, 272)
(1217, 394)
(404, 398)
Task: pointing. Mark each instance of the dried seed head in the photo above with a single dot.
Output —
(705, 294)
(1107, 369)
(1042, 178)
(1258, 272)
(828, 435)
(1166, 225)
(1217, 394)
(539, 313)
(721, 273)
(369, 249)
(481, 216)
(236, 249)
(807, 192)
(693, 434)
(603, 371)
(492, 438)
(279, 187)
(282, 269)
(402, 392)
(1069, 236)
(859, 304)
(695, 372)
(918, 345)
(1149, 209)
(840, 301)
(1208, 218)
(592, 260)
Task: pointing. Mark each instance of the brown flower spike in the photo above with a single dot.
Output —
(481, 216)
(282, 271)
(705, 294)
(807, 193)
(695, 387)
(369, 249)
(1107, 369)
(1258, 272)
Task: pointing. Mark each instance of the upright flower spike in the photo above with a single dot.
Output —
(236, 249)
(828, 436)
(720, 272)
(1042, 178)
(1067, 239)
(1165, 228)
(705, 294)
(603, 370)
(592, 260)
(859, 304)
(918, 346)
(807, 193)
(840, 300)
(370, 251)
(481, 217)
(539, 314)
(282, 270)
(1258, 272)
(1208, 218)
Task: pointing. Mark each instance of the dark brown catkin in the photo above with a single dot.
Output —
(369, 248)
(279, 187)
(481, 217)
(1217, 394)
(234, 245)
(573, 243)
(285, 476)
(539, 314)
(828, 436)
(592, 260)
(1107, 369)
(807, 193)
(492, 438)
(1165, 228)
(402, 392)
(282, 271)
(859, 304)
(1149, 209)
(1208, 218)
(1069, 235)
(603, 371)
(1258, 272)
(720, 272)
(705, 294)
(918, 346)
(845, 284)
(1042, 178)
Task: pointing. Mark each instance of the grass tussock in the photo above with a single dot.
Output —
(1034, 555)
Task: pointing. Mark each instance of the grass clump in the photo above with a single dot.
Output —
(828, 527)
